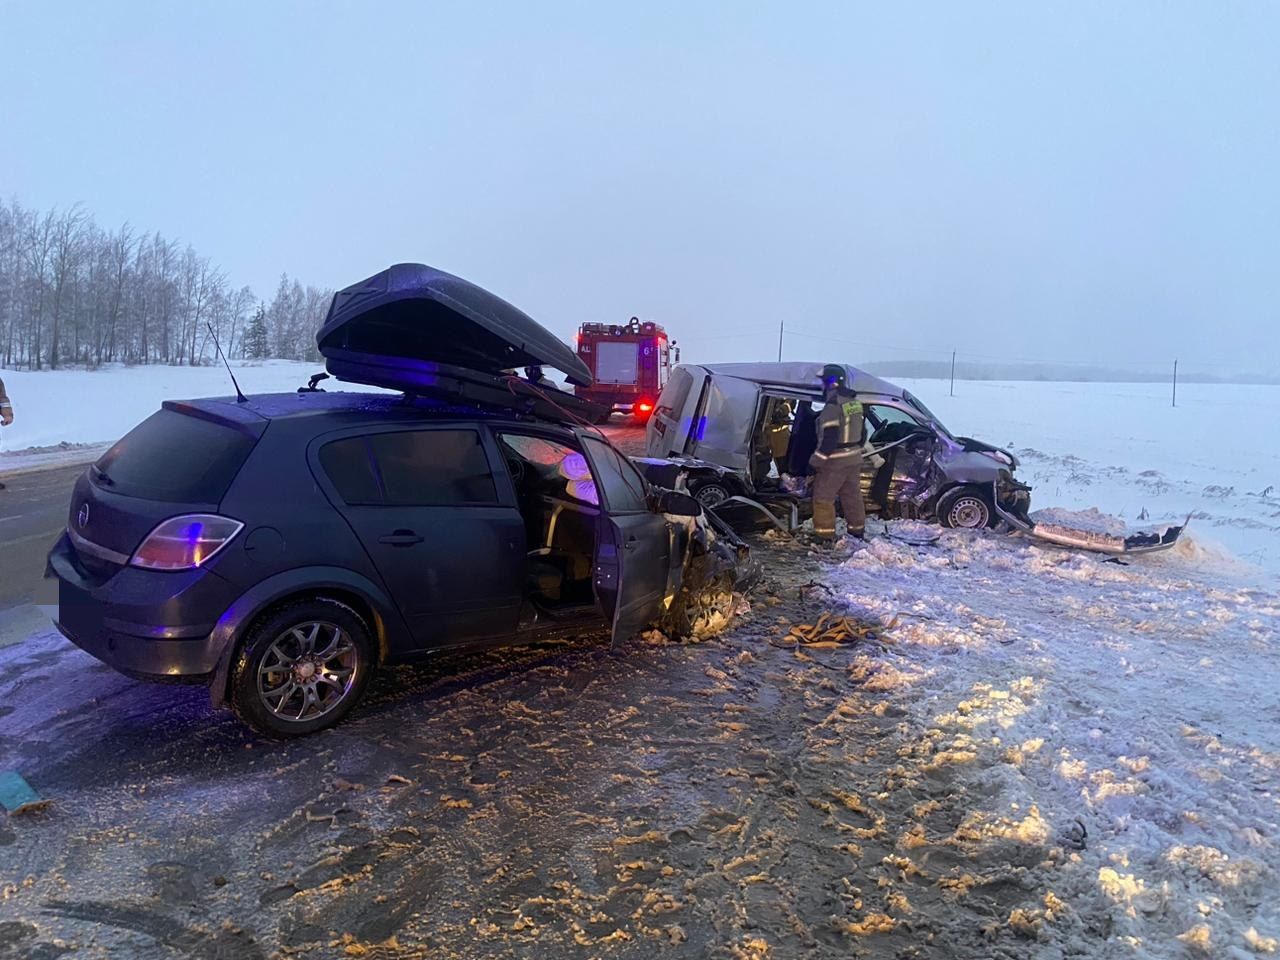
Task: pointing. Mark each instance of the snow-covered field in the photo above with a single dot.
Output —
(82, 406)
(1121, 447)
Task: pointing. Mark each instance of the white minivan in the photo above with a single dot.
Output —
(747, 430)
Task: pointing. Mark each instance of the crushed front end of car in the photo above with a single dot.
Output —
(716, 567)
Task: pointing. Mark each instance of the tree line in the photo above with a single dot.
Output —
(75, 294)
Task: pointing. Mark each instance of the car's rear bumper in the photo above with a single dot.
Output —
(146, 624)
(163, 661)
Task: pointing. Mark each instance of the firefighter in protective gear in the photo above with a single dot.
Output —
(837, 463)
(779, 434)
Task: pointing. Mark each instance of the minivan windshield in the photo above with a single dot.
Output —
(929, 414)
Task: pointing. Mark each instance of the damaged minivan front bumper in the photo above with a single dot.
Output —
(1064, 534)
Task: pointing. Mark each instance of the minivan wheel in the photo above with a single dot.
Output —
(302, 668)
(965, 508)
(711, 494)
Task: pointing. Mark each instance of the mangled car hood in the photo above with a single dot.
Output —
(414, 313)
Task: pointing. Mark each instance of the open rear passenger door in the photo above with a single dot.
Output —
(725, 422)
(633, 567)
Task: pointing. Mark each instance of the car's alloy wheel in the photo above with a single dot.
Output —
(307, 671)
(302, 667)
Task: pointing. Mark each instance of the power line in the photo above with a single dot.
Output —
(940, 354)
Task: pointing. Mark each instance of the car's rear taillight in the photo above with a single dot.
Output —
(644, 406)
(182, 543)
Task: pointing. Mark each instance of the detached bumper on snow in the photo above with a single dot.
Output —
(1149, 540)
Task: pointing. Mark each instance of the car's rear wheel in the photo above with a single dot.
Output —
(302, 668)
(965, 508)
(711, 494)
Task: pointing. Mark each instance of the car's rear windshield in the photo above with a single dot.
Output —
(174, 457)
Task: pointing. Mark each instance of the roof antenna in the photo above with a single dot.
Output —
(240, 397)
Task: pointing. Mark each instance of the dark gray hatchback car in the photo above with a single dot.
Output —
(279, 548)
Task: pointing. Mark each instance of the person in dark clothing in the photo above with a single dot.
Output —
(6, 412)
(837, 462)
(534, 375)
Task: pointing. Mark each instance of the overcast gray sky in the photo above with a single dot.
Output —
(1083, 181)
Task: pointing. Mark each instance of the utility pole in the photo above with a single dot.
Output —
(781, 326)
(1175, 383)
(953, 373)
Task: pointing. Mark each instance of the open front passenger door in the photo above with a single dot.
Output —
(633, 554)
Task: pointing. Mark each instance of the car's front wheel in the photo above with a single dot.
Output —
(966, 509)
(302, 668)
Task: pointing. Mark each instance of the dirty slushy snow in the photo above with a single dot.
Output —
(1123, 715)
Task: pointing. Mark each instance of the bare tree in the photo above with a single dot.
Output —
(72, 293)
(67, 237)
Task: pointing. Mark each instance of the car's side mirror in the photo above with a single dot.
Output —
(676, 503)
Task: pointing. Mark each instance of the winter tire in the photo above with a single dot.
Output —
(966, 508)
(302, 668)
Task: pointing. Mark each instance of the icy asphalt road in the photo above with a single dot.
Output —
(33, 510)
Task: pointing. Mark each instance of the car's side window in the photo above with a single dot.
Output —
(880, 415)
(541, 467)
(433, 467)
(411, 468)
(624, 488)
(350, 469)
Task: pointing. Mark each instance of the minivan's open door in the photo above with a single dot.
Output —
(633, 567)
(724, 423)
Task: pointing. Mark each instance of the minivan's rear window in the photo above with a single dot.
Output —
(676, 392)
(174, 457)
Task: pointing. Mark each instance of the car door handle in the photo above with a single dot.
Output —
(401, 538)
(630, 544)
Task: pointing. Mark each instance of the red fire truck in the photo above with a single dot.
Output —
(630, 364)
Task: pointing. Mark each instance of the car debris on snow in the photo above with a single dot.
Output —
(1093, 530)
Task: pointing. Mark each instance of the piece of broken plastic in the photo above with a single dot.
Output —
(15, 792)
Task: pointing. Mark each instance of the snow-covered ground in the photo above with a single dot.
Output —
(1126, 714)
(1121, 447)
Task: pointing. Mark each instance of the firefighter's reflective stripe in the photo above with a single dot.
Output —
(846, 417)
